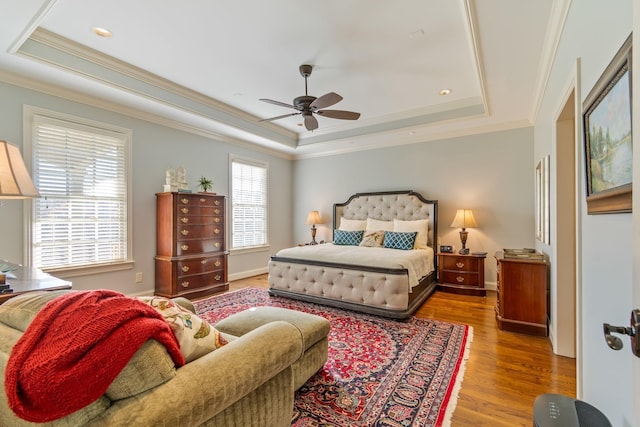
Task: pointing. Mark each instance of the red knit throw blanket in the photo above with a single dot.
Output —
(75, 347)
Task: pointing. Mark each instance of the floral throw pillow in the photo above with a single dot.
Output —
(373, 239)
(194, 334)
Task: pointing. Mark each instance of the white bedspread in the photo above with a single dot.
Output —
(418, 262)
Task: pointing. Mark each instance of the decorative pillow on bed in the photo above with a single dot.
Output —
(352, 224)
(373, 239)
(420, 226)
(395, 240)
(347, 238)
(376, 224)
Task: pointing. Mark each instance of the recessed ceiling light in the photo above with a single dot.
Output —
(445, 92)
(102, 32)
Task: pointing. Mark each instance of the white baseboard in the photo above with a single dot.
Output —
(248, 273)
(491, 286)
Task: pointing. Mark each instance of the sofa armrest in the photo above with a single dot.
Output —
(208, 385)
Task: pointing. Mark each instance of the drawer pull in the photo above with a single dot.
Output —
(184, 284)
(203, 200)
(217, 263)
(184, 201)
(185, 268)
(216, 231)
(216, 211)
(218, 277)
(460, 279)
(184, 247)
(216, 202)
(184, 232)
(203, 262)
(216, 244)
(184, 210)
(216, 219)
(184, 219)
(460, 264)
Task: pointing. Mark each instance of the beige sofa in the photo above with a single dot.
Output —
(248, 382)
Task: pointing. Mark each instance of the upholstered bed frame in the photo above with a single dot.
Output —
(373, 290)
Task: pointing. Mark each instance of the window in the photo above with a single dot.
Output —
(248, 203)
(81, 169)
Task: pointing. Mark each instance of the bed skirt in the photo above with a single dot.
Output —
(382, 292)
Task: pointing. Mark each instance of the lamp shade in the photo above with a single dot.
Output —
(15, 182)
(464, 219)
(314, 218)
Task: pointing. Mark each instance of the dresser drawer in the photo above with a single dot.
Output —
(200, 281)
(200, 265)
(461, 263)
(196, 200)
(199, 246)
(196, 231)
(189, 210)
(461, 278)
(185, 219)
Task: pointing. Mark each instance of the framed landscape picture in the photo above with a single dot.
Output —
(607, 137)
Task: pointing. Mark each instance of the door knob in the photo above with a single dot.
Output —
(633, 331)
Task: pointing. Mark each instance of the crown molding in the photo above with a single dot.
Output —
(82, 98)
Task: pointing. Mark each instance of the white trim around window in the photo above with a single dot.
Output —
(248, 181)
(82, 222)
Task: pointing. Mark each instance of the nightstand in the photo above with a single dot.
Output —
(461, 274)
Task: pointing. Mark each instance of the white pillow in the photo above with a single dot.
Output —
(421, 226)
(377, 225)
(352, 224)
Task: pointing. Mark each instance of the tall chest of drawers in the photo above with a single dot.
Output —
(191, 250)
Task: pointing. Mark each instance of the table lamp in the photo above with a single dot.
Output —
(464, 218)
(15, 182)
(313, 218)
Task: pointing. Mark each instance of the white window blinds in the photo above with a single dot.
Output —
(249, 203)
(81, 173)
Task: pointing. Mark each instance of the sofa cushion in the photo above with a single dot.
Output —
(149, 367)
(195, 336)
(19, 311)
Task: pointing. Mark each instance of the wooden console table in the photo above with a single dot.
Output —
(30, 279)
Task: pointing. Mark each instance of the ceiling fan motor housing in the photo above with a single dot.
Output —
(302, 102)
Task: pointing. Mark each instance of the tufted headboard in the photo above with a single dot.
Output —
(385, 206)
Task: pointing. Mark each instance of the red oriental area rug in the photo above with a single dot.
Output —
(380, 372)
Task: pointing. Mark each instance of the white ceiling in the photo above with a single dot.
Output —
(206, 64)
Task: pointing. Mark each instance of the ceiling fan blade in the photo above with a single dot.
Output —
(279, 117)
(310, 122)
(339, 114)
(282, 104)
(325, 101)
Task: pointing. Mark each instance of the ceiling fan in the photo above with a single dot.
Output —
(307, 105)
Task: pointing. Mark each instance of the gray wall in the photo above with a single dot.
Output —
(489, 173)
(593, 32)
(155, 148)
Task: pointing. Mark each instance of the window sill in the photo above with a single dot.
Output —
(252, 249)
(66, 272)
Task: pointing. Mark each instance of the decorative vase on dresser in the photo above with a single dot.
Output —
(521, 300)
(191, 248)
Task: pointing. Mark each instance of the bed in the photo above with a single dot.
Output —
(384, 281)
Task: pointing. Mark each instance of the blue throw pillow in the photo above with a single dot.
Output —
(397, 240)
(347, 238)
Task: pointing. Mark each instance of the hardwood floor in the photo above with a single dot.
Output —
(505, 371)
